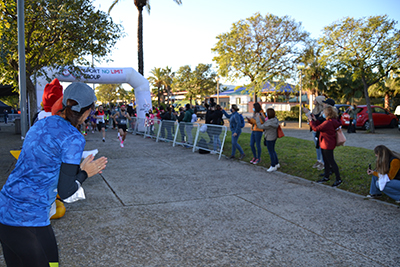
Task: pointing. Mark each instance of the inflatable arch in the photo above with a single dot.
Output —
(102, 76)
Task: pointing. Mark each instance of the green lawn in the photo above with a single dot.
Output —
(296, 156)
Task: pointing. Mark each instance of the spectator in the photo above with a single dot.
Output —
(386, 178)
(187, 119)
(49, 163)
(317, 112)
(256, 132)
(166, 117)
(236, 130)
(271, 134)
(215, 131)
(5, 116)
(352, 119)
(327, 141)
(181, 125)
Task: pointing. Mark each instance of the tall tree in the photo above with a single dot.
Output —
(157, 79)
(315, 76)
(261, 49)
(199, 82)
(388, 87)
(57, 33)
(370, 47)
(107, 93)
(140, 4)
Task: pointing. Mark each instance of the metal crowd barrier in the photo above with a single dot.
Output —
(185, 134)
(166, 132)
(208, 137)
(211, 137)
(138, 125)
(152, 128)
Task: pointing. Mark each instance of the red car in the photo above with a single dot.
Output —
(380, 116)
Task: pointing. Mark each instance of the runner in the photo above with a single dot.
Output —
(120, 119)
(101, 126)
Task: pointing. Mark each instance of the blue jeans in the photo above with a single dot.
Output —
(236, 145)
(256, 138)
(392, 188)
(272, 154)
(217, 142)
(318, 150)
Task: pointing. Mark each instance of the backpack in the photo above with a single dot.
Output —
(241, 121)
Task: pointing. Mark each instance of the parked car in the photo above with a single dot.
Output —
(201, 112)
(397, 113)
(342, 108)
(381, 117)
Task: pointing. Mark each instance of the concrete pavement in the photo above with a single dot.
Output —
(158, 205)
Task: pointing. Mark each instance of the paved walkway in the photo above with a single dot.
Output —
(158, 205)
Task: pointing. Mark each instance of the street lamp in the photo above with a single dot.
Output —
(300, 67)
(217, 90)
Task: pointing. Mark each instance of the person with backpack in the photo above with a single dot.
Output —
(256, 133)
(235, 124)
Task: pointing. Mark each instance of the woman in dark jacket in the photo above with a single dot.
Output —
(216, 119)
(327, 141)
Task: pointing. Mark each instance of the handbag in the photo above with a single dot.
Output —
(280, 132)
(340, 138)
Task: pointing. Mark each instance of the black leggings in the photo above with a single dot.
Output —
(330, 163)
(29, 246)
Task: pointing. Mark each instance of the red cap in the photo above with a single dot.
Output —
(52, 92)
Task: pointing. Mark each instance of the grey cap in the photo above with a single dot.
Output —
(81, 93)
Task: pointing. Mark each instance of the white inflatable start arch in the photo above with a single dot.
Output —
(102, 76)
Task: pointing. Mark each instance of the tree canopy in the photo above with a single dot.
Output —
(368, 47)
(57, 33)
(260, 48)
(199, 82)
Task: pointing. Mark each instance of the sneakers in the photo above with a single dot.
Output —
(120, 138)
(213, 152)
(104, 139)
(337, 183)
(374, 196)
(121, 144)
(315, 165)
(272, 169)
(251, 161)
(278, 166)
(323, 180)
(232, 157)
(256, 161)
(242, 156)
(321, 166)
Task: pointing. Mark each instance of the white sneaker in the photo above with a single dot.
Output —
(272, 169)
(121, 144)
(277, 165)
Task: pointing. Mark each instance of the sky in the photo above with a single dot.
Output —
(177, 35)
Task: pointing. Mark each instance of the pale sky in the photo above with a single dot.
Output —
(177, 35)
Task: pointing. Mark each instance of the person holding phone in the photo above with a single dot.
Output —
(386, 177)
(256, 132)
(327, 141)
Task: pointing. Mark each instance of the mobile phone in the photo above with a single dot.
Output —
(369, 166)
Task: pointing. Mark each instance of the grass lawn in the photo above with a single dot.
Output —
(296, 156)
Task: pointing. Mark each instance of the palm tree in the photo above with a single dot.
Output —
(140, 4)
(157, 80)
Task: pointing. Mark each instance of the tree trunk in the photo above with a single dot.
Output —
(140, 40)
(368, 102)
(387, 101)
(158, 95)
(31, 93)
